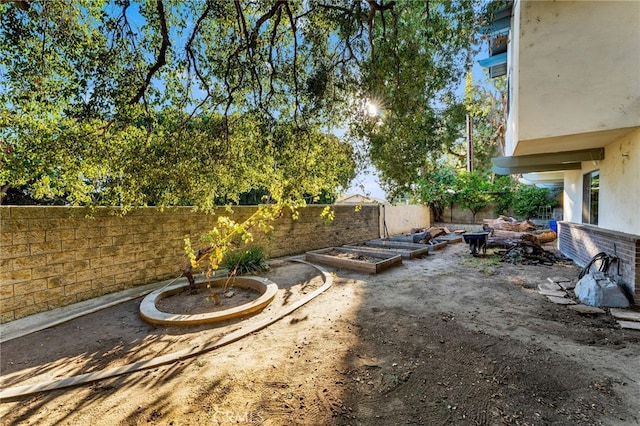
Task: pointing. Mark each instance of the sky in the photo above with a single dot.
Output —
(367, 183)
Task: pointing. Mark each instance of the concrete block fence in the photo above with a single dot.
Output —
(56, 256)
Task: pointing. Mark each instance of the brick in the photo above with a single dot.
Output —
(130, 276)
(76, 244)
(15, 276)
(44, 224)
(6, 238)
(45, 295)
(60, 234)
(88, 233)
(47, 247)
(6, 316)
(13, 225)
(100, 242)
(13, 251)
(60, 281)
(6, 291)
(101, 261)
(59, 212)
(62, 257)
(103, 282)
(46, 271)
(88, 254)
(8, 265)
(123, 240)
(30, 261)
(77, 288)
(28, 287)
(14, 303)
(28, 237)
(90, 294)
(57, 302)
(29, 212)
(112, 231)
(111, 250)
(86, 275)
(75, 266)
(30, 310)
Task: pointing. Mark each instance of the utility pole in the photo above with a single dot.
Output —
(469, 143)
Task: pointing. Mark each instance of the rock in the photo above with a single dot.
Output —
(229, 294)
(556, 293)
(625, 315)
(569, 285)
(631, 325)
(586, 310)
(561, 300)
(598, 289)
(563, 282)
(548, 287)
(558, 279)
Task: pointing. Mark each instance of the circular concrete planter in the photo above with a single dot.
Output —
(151, 314)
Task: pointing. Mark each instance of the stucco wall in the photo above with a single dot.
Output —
(620, 185)
(462, 215)
(619, 203)
(575, 73)
(401, 219)
(55, 256)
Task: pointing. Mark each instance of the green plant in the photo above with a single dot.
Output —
(435, 190)
(228, 236)
(472, 192)
(247, 260)
(527, 200)
(503, 188)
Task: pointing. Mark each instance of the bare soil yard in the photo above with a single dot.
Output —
(447, 339)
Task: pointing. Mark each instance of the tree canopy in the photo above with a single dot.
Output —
(169, 102)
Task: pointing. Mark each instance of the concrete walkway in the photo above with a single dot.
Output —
(31, 324)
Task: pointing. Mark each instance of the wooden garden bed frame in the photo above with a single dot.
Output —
(387, 260)
(406, 253)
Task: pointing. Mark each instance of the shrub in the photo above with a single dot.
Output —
(527, 201)
(248, 260)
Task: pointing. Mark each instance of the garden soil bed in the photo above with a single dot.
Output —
(447, 339)
(204, 301)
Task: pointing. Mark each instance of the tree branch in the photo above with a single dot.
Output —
(190, 55)
(21, 4)
(162, 55)
(295, 63)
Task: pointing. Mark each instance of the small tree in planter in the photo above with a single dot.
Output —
(225, 238)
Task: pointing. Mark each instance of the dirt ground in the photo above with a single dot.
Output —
(447, 339)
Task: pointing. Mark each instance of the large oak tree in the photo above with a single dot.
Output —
(193, 102)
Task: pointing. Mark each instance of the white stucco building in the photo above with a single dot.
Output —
(574, 107)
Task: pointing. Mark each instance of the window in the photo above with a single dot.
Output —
(590, 195)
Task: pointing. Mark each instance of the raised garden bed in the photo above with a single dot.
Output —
(404, 245)
(449, 238)
(358, 260)
(405, 252)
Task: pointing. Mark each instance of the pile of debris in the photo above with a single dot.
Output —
(521, 241)
(509, 228)
(422, 235)
(525, 250)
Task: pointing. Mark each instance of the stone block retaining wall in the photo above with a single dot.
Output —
(56, 256)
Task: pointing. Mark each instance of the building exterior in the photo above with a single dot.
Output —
(574, 107)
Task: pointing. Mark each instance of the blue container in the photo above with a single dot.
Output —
(553, 225)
